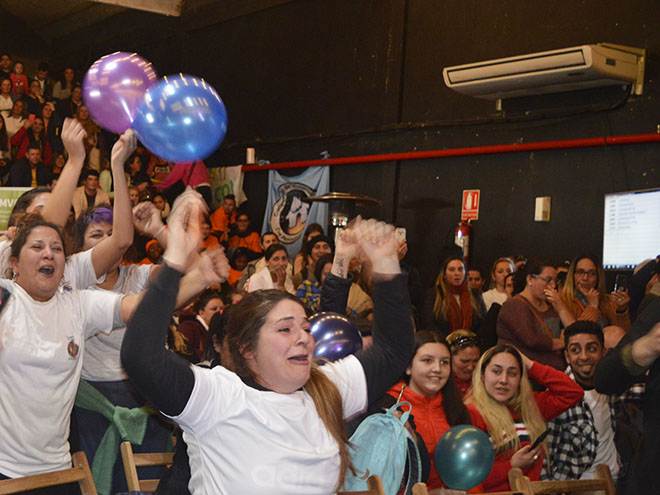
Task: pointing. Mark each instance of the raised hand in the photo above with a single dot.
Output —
(122, 149)
(346, 249)
(593, 297)
(621, 299)
(73, 135)
(184, 234)
(213, 266)
(378, 243)
(147, 219)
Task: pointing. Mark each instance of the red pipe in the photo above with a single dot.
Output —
(475, 150)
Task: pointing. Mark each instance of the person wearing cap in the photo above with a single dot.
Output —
(317, 246)
(154, 253)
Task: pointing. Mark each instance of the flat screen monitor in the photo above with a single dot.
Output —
(631, 231)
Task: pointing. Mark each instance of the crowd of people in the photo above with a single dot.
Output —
(121, 291)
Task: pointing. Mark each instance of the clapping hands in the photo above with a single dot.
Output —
(369, 240)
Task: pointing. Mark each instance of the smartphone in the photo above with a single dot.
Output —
(32, 116)
(400, 234)
(621, 283)
(538, 441)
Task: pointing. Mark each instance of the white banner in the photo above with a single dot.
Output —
(224, 181)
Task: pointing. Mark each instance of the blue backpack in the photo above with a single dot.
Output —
(383, 446)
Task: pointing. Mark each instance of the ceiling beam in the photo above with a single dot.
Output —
(166, 7)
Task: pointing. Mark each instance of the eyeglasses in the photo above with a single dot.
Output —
(463, 341)
(547, 280)
(589, 273)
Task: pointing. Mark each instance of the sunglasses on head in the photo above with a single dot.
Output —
(463, 341)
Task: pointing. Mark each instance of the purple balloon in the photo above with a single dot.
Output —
(113, 89)
(335, 336)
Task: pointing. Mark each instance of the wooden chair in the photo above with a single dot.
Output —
(603, 483)
(80, 473)
(422, 489)
(374, 487)
(133, 461)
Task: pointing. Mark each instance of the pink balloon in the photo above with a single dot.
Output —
(113, 89)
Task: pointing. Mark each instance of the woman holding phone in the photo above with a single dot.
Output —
(502, 404)
(586, 299)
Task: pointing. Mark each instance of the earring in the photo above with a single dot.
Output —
(14, 276)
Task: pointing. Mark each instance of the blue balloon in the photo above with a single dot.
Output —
(463, 457)
(335, 336)
(181, 119)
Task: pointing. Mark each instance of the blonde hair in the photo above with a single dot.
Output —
(442, 292)
(493, 284)
(569, 291)
(497, 416)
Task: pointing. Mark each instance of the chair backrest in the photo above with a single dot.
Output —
(79, 473)
(133, 461)
(421, 489)
(602, 483)
(374, 487)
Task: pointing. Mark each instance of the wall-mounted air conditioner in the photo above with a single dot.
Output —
(570, 69)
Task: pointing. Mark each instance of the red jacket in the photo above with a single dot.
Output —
(430, 423)
(22, 140)
(561, 394)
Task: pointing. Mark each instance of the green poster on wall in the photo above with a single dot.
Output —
(8, 197)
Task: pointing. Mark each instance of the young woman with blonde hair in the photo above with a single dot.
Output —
(502, 404)
(497, 291)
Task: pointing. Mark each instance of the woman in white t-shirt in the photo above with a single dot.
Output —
(275, 274)
(497, 293)
(275, 424)
(43, 327)
(101, 364)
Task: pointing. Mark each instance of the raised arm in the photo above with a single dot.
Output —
(58, 206)
(638, 350)
(147, 221)
(337, 285)
(109, 252)
(159, 375)
(393, 336)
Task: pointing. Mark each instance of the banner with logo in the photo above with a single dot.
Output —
(286, 214)
(224, 181)
(8, 197)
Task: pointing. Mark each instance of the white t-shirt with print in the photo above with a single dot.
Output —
(101, 361)
(245, 441)
(41, 347)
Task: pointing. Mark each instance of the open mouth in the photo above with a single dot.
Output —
(303, 359)
(47, 270)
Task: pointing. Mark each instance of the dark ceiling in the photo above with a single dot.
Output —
(38, 29)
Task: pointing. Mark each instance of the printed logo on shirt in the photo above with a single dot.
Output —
(65, 285)
(72, 348)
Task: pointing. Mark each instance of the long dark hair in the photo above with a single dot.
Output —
(452, 402)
